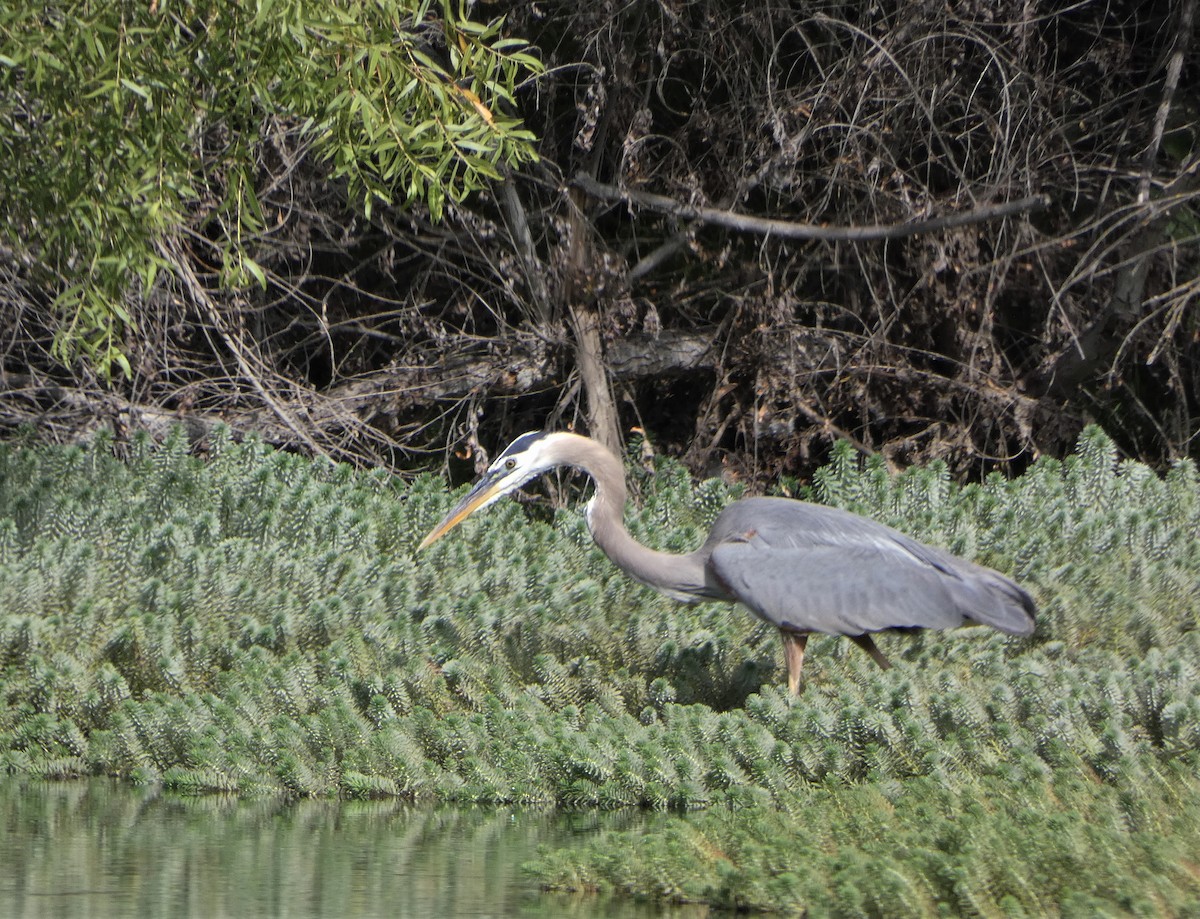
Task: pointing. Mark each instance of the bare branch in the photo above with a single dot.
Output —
(788, 229)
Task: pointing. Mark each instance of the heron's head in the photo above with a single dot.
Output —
(526, 457)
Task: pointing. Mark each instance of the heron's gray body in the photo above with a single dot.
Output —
(811, 568)
(801, 567)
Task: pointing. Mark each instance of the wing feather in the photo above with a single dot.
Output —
(836, 591)
(819, 569)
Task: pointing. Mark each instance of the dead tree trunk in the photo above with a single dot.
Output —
(581, 296)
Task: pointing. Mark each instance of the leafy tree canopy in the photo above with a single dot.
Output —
(122, 124)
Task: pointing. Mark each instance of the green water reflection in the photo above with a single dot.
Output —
(99, 849)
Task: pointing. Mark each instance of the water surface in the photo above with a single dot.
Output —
(98, 848)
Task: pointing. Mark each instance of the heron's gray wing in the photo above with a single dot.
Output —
(782, 523)
(795, 563)
(836, 590)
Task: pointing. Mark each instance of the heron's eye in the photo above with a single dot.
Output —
(510, 464)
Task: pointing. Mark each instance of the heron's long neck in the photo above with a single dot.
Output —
(678, 576)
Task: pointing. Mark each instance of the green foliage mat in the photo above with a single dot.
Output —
(258, 623)
(1018, 844)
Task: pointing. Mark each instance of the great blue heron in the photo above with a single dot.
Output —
(801, 567)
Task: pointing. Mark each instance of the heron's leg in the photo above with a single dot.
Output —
(793, 653)
(865, 642)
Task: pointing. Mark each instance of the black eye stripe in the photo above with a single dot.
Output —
(522, 443)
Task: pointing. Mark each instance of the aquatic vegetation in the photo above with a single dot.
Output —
(256, 622)
(1052, 844)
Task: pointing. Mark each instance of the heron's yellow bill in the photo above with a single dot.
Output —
(485, 492)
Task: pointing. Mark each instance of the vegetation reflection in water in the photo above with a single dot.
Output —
(98, 848)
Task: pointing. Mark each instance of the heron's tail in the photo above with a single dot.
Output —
(1000, 602)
